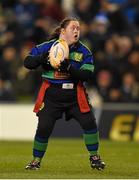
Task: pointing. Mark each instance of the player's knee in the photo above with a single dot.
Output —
(89, 124)
(43, 132)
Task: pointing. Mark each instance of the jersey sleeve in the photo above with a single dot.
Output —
(34, 51)
(87, 63)
(41, 48)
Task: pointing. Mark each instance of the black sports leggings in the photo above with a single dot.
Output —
(56, 102)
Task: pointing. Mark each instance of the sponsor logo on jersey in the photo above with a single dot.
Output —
(76, 56)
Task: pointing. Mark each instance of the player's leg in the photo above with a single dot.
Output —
(91, 135)
(47, 117)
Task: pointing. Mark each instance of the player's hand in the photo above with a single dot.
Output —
(64, 66)
(45, 57)
(45, 63)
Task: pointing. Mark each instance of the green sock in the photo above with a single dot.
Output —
(39, 148)
(91, 139)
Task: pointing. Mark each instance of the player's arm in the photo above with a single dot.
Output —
(84, 73)
(38, 57)
(32, 62)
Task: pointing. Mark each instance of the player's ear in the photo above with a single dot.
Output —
(63, 31)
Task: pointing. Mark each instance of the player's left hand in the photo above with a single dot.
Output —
(64, 66)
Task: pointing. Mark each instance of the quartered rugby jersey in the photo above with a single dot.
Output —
(79, 56)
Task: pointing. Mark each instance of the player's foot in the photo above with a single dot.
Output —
(96, 162)
(33, 165)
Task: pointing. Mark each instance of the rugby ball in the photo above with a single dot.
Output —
(58, 52)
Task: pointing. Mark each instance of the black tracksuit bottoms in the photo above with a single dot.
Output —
(56, 102)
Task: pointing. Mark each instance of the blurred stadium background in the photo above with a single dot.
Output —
(110, 28)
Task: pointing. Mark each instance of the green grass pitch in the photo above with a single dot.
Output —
(68, 159)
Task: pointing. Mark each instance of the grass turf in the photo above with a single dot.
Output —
(68, 159)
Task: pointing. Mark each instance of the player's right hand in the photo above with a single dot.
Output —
(45, 57)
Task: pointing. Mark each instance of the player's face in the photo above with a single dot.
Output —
(72, 32)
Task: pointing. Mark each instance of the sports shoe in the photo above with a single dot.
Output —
(96, 162)
(33, 165)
